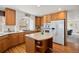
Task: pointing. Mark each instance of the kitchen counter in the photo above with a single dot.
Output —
(39, 36)
(38, 42)
(6, 33)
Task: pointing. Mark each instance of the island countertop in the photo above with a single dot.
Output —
(39, 36)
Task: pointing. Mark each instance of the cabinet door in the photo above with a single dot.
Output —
(30, 45)
(5, 44)
(53, 17)
(44, 19)
(61, 15)
(21, 37)
(38, 21)
(48, 18)
(13, 39)
(1, 46)
(10, 15)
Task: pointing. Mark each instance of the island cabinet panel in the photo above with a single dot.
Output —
(30, 45)
(44, 46)
(10, 15)
(36, 42)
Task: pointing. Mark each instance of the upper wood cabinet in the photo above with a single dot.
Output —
(61, 15)
(46, 19)
(49, 18)
(42, 20)
(10, 15)
(54, 16)
(38, 21)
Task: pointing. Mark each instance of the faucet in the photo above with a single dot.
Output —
(9, 30)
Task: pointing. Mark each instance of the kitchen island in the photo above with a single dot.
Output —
(38, 42)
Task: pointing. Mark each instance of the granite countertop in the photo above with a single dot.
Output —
(6, 33)
(39, 36)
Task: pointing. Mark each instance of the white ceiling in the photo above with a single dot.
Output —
(43, 9)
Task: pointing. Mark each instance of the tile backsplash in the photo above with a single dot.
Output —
(10, 28)
(0, 28)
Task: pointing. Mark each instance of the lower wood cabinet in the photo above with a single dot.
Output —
(10, 40)
(1, 46)
(3, 43)
(13, 39)
(21, 37)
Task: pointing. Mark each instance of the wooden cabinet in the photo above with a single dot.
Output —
(38, 23)
(46, 19)
(54, 16)
(30, 45)
(61, 15)
(10, 40)
(3, 43)
(44, 45)
(58, 16)
(21, 38)
(42, 21)
(13, 39)
(1, 46)
(10, 15)
(38, 46)
(49, 18)
(1, 49)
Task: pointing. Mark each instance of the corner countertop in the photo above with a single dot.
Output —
(6, 33)
(39, 36)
